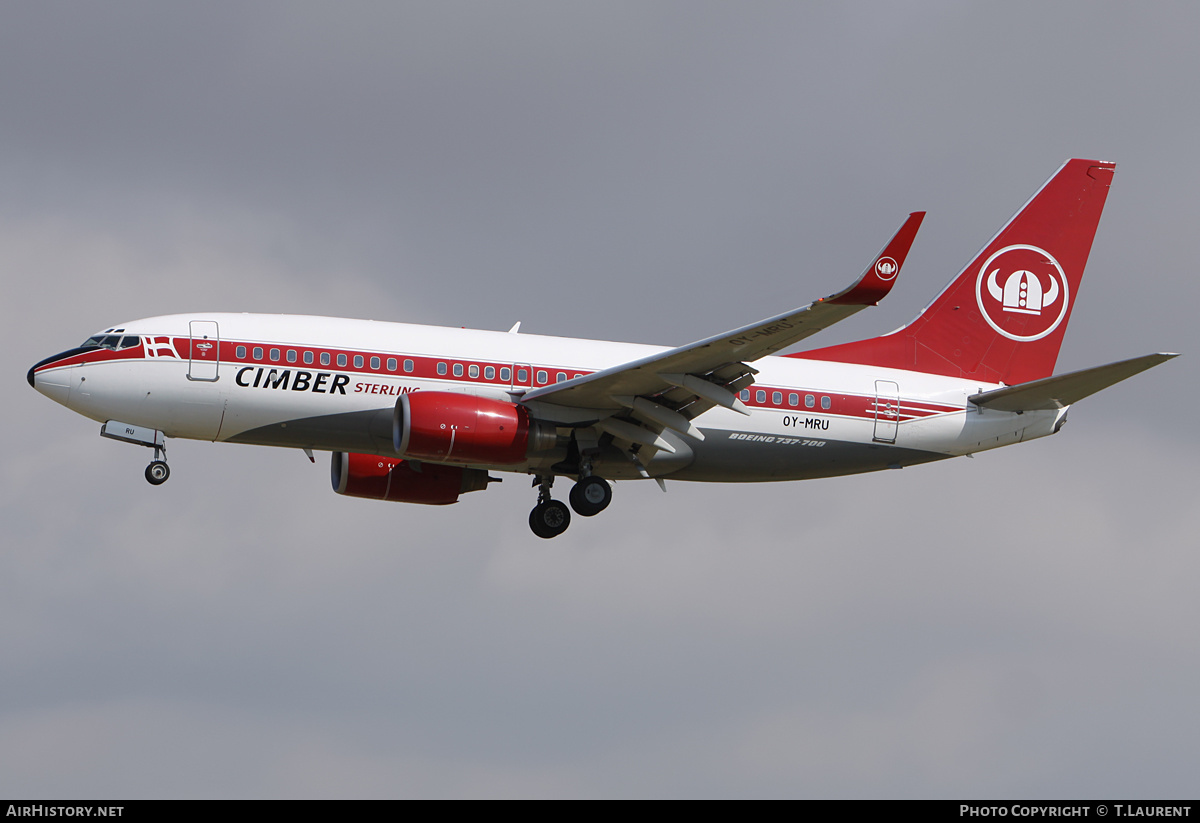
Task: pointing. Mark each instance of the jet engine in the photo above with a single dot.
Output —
(389, 478)
(464, 428)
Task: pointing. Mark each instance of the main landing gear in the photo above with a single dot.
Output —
(550, 518)
(590, 496)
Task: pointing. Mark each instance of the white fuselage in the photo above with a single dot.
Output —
(331, 384)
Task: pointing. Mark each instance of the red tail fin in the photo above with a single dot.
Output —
(1003, 318)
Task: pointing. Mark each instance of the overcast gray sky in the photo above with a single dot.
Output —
(1018, 625)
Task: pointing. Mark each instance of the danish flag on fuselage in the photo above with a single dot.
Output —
(160, 347)
(423, 414)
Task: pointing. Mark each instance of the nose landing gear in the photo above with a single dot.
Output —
(158, 472)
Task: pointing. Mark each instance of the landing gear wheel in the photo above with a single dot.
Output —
(590, 496)
(549, 519)
(157, 473)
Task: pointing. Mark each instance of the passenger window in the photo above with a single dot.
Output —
(777, 398)
(275, 355)
(358, 361)
(240, 351)
(489, 372)
(505, 371)
(826, 403)
(324, 358)
(308, 357)
(809, 401)
(560, 378)
(744, 394)
(257, 353)
(793, 399)
(391, 364)
(542, 378)
(341, 359)
(408, 365)
(472, 370)
(760, 396)
(375, 363)
(522, 376)
(291, 356)
(442, 369)
(458, 369)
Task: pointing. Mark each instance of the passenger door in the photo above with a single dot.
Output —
(887, 411)
(204, 358)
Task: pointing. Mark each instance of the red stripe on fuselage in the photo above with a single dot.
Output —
(97, 355)
(425, 367)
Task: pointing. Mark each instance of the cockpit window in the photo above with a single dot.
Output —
(111, 341)
(102, 341)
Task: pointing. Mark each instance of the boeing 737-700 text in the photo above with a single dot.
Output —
(422, 414)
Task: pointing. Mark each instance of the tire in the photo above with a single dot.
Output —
(590, 496)
(157, 473)
(549, 519)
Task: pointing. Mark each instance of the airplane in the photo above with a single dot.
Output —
(424, 414)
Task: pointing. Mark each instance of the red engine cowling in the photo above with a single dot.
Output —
(389, 478)
(463, 428)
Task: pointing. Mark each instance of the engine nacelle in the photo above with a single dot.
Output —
(462, 428)
(389, 478)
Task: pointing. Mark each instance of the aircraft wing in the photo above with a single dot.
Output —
(686, 381)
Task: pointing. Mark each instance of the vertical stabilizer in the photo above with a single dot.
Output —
(1003, 318)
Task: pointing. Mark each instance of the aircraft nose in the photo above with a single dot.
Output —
(53, 383)
(35, 380)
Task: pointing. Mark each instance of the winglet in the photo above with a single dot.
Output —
(881, 275)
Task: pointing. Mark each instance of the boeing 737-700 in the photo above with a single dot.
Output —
(423, 414)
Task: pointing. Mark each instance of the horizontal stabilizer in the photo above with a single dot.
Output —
(1064, 389)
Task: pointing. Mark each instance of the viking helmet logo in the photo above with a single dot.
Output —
(1022, 292)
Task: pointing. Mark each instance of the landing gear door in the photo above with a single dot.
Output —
(887, 411)
(205, 354)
